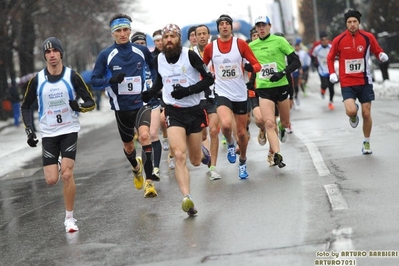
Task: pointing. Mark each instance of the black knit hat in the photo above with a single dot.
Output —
(253, 30)
(352, 13)
(139, 36)
(52, 42)
(224, 18)
(190, 30)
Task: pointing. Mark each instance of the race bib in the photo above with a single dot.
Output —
(228, 71)
(353, 66)
(130, 86)
(59, 117)
(268, 70)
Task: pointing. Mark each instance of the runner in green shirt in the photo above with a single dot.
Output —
(271, 82)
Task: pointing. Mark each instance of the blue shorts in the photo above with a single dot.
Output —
(365, 93)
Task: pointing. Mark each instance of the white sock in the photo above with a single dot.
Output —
(68, 215)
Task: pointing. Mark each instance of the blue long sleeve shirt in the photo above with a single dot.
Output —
(128, 58)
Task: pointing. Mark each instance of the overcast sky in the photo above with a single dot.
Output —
(171, 11)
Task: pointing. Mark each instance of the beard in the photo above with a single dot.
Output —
(173, 52)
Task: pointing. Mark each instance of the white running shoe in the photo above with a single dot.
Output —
(213, 175)
(70, 225)
(354, 121)
(171, 162)
(165, 144)
(366, 148)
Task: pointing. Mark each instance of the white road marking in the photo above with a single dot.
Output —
(335, 197)
(342, 239)
(315, 154)
(337, 201)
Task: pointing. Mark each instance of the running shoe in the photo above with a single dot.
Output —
(207, 156)
(171, 162)
(270, 158)
(242, 171)
(297, 102)
(70, 225)
(231, 153)
(331, 106)
(155, 174)
(165, 144)
(289, 129)
(278, 160)
(224, 142)
(322, 92)
(366, 148)
(262, 137)
(187, 205)
(282, 134)
(213, 175)
(149, 189)
(138, 179)
(354, 121)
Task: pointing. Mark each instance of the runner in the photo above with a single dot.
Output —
(56, 88)
(202, 34)
(120, 68)
(353, 48)
(271, 82)
(227, 54)
(141, 39)
(179, 70)
(320, 53)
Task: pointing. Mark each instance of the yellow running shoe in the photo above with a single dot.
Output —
(149, 189)
(187, 205)
(138, 179)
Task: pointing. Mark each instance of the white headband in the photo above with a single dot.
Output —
(157, 37)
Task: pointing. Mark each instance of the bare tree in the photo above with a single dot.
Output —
(81, 25)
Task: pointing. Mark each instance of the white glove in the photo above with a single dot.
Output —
(383, 57)
(333, 78)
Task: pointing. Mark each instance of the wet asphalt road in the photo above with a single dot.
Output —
(276, 217)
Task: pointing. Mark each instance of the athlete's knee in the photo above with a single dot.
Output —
(52, 179)
(144, 137)
(270, 123)
(67, 176)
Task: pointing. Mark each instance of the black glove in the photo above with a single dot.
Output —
(75, 105)
(159, 94)
(250, 85)
(277, 76)
(118, 78)
(179, 92)
(248, 67)
(32, 139)
(147, 95)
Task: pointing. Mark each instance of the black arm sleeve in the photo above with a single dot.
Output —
(207, 78)
(252, 77)
(158, 84)
(83, 91)
(29, 99)
(293, 63)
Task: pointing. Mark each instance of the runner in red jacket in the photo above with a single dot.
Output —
(353, 48)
